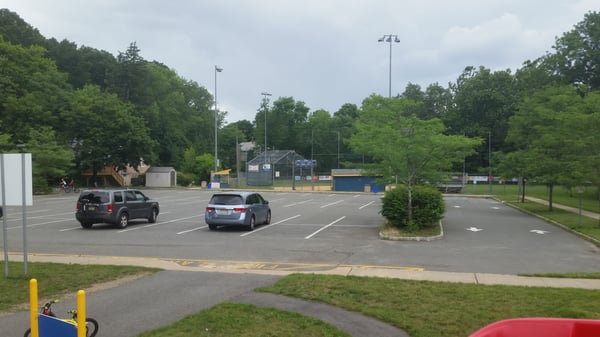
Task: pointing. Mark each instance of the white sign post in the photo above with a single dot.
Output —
(16, 185)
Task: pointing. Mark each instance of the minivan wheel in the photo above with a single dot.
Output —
(252, 223)
(153, 215)
(123, 220)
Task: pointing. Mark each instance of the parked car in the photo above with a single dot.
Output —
(237, 208)
(114, 206)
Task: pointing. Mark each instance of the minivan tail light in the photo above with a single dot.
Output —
(239, 209)
(109, 208)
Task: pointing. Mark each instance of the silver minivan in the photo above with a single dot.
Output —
(237, 208)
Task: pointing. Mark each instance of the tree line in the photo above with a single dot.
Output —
(79, 108)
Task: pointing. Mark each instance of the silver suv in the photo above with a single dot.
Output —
(114, 206)
(237, 208)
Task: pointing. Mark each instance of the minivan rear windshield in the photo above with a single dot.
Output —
(225, 199)
(94, 197)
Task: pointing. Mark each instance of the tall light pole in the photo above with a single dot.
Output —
(390, 38)
(338, 148)
(266, 96)
(217, 70)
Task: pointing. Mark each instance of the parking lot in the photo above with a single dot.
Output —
(310, 231)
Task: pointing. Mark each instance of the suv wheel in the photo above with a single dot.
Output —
(86, 224)
(252, 223)
(153, 215)
(212, 227)
(123, 220)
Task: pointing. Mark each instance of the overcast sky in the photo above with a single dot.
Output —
(322, 52)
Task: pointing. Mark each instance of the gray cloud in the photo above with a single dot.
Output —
(324, 53)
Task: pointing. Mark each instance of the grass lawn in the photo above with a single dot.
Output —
(56, 280)
(428, 309)
(245, 320)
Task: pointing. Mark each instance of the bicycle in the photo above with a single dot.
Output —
(67, 188)
(64, 186)
(91, 325)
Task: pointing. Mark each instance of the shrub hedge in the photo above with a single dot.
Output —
(427, 207)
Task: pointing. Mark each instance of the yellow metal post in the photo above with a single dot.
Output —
(33, 308)
(81, 314)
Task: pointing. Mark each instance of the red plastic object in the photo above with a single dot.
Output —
(542, 327)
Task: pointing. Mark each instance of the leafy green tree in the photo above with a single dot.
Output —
(535, 76)
(85, 65)
(438, 101)
(197, 166)
(577, 57)
(343, 121)
(229, 138)
(325, 138)
(6, 144)
(414, 93)
(16, 31)
(104, 131)
(245, 127)
(555, 134)
(165, 115)
(205, 164)
(483, 103)
(128, 78)
(51, 159)
(286, 124)
(32, 91)
(407, 148)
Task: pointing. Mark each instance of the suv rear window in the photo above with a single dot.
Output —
(225, 199)
(94, 197)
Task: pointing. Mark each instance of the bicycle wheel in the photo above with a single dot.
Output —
(91, 327)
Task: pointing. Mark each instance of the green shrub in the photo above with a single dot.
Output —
(185, 178)
(427, 207)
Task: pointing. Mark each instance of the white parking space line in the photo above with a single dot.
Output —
(365, 205)
(298, 203)
(323, 228)
(69, 229)
(333, 203)
(157, 224)
(271, 225)
(37, 211)
(192, 230)
(38, 224)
